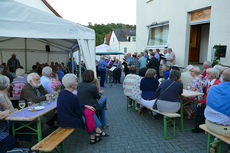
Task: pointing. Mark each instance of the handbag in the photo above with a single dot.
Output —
(155, 104)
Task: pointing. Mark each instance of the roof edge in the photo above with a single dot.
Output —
(51, 8)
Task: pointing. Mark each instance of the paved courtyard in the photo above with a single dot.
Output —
(134, 133)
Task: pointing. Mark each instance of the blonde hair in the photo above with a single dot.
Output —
(95, 81)
(196, 69)
(20, 72)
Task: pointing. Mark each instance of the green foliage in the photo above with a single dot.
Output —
(101, 30)
(216, 59)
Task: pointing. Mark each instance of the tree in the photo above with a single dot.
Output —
(101, 30)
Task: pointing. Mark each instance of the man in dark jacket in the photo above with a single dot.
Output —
(154, 63)
(34, 90)
(13, 62)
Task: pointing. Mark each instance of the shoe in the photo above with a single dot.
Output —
(102, 134)
(95, 140)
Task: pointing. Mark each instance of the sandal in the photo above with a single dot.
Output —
(95, 140)
(102, 134)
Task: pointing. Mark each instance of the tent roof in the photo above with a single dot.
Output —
(27, 22)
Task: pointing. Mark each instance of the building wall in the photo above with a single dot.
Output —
(113, 42)
(219, 28)
(176, 12)
(131, 46)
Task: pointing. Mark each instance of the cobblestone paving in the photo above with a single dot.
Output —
(133, 133)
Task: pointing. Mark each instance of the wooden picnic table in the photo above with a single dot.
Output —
(25, 118)
(187, 93)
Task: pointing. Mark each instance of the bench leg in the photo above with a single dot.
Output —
(208, 143)
(39, 129)
(13, 128)
(134, 105)
(181, 115)
(165, 128)
(62, 147)
(219, 147)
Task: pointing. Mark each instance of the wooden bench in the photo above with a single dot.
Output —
(167, 118)
(53, 140)
(213, 134)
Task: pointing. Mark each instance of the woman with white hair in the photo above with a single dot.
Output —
(70, 112)
(46, 79)
(18, 83)
(221, 70)
(186, 77)
(4, 86)
(212, 76)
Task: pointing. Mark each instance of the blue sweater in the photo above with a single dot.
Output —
(69, 110)
(148, 87)
(173, 93)
(219, 98)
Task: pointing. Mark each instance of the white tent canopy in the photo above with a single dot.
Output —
(26, 31)
(105, 49)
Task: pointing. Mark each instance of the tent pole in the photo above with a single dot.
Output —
(48, 57)
(72, 63)
(1, 57)
(26, 54)
(79, 57)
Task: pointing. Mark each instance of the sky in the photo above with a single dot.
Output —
(96, 11)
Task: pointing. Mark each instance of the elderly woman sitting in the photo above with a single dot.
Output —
(70, 111)
(186, 77)
(7, 142)
(136, 91)
(89, 95)
(195, 85)
(18, 83)
(212, 75)
(148, 86)
(46, 79)
(169, 93)
(4, 86)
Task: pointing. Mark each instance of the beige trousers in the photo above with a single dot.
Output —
(219, 129)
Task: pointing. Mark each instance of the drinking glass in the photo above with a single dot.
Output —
(30, 102)
(21, 104)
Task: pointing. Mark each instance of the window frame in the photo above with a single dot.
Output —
(155, 26)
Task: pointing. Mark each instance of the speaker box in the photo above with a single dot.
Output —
(47, 48)
(221, 50)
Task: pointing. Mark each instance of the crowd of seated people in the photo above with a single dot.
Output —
(212, 106)
(76, 107)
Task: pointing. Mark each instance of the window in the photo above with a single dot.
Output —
(125, 50)
(158, 36)
(134, 39)
(113, 39)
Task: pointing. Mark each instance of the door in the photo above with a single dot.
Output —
(194, 46)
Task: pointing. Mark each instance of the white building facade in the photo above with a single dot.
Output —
(190, 28)
(123, 40)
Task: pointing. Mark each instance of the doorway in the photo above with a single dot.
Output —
(198, 44)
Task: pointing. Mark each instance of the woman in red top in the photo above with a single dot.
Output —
(212, 75)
